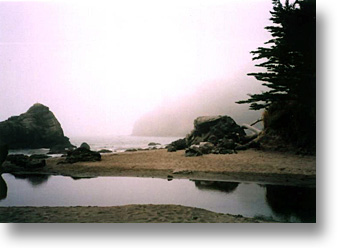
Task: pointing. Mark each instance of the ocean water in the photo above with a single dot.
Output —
(113, 143)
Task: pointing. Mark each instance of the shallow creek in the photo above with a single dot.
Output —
(276, 202)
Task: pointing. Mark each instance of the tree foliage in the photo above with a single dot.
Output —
(289, 59)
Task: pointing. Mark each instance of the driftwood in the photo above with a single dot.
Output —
(251, 128)
(255, 122)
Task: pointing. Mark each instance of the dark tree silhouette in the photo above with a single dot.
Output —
(290, 59)
(289, 62)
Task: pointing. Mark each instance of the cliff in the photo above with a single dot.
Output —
(37, 128)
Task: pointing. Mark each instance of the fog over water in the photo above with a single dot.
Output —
(100, 66)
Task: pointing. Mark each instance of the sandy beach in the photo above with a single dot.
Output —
(245, 166)
(118, 214)
(249, 166)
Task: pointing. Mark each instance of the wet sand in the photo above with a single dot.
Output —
(249, 166)
(118, 214)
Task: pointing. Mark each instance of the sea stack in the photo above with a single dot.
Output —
(37, 128)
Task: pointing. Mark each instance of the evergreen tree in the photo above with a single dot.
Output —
(290, 58)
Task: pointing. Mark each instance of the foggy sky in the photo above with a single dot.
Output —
(100, 67)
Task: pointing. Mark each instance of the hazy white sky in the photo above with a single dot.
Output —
(99, 66)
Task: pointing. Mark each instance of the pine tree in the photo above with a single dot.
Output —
(290, 58)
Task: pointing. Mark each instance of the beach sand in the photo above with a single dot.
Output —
(245, 166)
(118, 214)
(249, 166)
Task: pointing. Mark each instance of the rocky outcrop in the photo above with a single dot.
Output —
(220, 130)
(85, 145)
(37, 128)
(81, 155)
(105, 151)
(211, 134)
(179, 144)
(25, 161)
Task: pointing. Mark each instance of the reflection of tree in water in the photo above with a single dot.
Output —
(215, 185)
(35, 180)
(3, 188)
(287, 200)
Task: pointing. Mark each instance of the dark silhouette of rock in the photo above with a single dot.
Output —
(193, 151)
(214, 129)
(179, 144)
(211, 134)
(154, 144)
(85, 145)
(37, 128)
(39, 156)
(105, 151)
(81, 155)
(25, 161)
(3, 153)
(131, 150)
(171, 149)
(59, 149)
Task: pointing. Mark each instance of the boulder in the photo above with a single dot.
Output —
(81, 155)
(179, 144)
(85, 145)
(25, 161)
(105, 151)
(171, 149)
(206, 147)
(131, 150)
(37, 128)
(193, 151)
(213, 128)
(154, 144)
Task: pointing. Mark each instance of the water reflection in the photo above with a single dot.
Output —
(227, 187)
(281, 203)
(3, 188)
(287, 201)
(34, 180)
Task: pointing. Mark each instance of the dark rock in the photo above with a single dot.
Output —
(58, 149)
(39, 156)
(154, 144)
(206, 147)
(82, 155)
(85, 145)
(131, 150)
(171, 149)
(3, 153)
(221, 150)
(226, 143)
(18, 159)
(179, 144)
(105, 151)
(25, 161)
(193, 151)
(37, 128)
(213, 128)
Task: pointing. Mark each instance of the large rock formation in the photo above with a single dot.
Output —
(37, 128)
(212, 134)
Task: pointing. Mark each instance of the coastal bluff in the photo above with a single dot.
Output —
(37, 128)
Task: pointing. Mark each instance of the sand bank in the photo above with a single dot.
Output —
(118, 214)
(249, 165)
